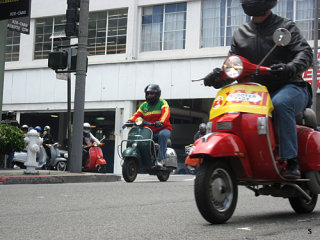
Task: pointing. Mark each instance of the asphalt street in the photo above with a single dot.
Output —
(144, 209)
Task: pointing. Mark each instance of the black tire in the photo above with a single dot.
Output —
(61, 166)
(102, 168)
(129, 169)
(163, 176)
(216, 191)
(19, 164)
(301, 205)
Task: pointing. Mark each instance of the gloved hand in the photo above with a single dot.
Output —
(158, 124)
(211, 78)
(284, 71)
(128, 122)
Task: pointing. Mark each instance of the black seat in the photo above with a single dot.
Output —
(307, 118)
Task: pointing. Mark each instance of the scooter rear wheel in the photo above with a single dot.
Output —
(216, 191)
(129, 169)
(301, 205)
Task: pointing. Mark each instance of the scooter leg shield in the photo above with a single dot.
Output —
(222, 145)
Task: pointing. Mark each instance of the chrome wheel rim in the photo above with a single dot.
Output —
(221, 190)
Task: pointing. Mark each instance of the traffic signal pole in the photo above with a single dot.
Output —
(79, 98)
(3, 40)
(315, 59)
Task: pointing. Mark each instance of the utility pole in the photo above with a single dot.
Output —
(3, 40)
(315, 59)
(79, 98)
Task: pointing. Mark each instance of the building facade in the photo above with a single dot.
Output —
(131, 43)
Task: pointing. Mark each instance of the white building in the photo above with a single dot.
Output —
(131, 43)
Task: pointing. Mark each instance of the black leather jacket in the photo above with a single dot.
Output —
(253, 41)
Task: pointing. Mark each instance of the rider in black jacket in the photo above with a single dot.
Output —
(290, 93)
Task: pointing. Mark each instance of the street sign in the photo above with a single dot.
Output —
(21, 25)
(62, 76)
(14, 8)
(307, 75)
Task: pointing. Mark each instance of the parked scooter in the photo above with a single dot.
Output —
(55, 162)
(95, 160)
(141, 153)
(241, 147)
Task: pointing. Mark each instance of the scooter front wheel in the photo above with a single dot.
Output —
(61, 166)
(163, 176)
(129, 169)
(216, 191)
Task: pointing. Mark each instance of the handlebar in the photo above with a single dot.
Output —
(92, 145)
(131, 124)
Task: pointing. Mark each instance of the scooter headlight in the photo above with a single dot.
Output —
(139, 121)
(233, 67)
(95, 144)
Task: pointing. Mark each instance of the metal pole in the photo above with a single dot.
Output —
(69, 135)
(79, 98)
(3, 40)
(315, 59)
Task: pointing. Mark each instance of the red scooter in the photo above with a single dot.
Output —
(95, 160)
(241, 147)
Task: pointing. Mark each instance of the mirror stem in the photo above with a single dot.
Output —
(265, 57)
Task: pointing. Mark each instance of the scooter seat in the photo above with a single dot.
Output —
(307, 118)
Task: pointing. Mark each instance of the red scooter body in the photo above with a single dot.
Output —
(251, 151)
(95, 159)
(241, 148)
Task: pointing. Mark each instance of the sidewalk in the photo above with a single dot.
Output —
(17, 176)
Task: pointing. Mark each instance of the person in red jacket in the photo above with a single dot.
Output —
(156, 110)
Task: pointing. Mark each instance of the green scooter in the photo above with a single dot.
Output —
(141, 153)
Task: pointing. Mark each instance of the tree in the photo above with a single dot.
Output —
(11, 139)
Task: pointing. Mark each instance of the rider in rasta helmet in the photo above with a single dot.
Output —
(156, 110)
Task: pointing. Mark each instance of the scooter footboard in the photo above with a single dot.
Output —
(217, 145)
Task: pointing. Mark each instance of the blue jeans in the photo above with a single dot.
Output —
(163, 136)
(288, 102)
(9, 160)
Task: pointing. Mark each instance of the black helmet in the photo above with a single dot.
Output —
(11, 114)
(152, 88)
(257, 7)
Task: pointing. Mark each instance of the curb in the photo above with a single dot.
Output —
(48, 179)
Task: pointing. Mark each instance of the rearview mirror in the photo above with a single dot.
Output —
(281, 37)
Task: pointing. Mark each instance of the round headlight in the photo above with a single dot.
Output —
(139, 121)
(134, 145)
(233, 67)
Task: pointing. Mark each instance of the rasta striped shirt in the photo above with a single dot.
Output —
(152, 113)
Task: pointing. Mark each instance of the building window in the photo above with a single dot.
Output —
(163, 27)
(12, 46)
(45, 28)
(301, 12)
(116, 23)
(219, 20)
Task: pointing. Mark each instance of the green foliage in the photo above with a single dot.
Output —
(11, 139)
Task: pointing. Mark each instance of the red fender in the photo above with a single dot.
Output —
(220, 144)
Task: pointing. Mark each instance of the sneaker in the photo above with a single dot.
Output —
(292, 169)
(159, 163)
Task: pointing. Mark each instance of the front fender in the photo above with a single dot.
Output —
(219, 144)
(131, 152)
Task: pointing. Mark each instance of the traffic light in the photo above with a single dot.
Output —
(72, 16)
(58, 60)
